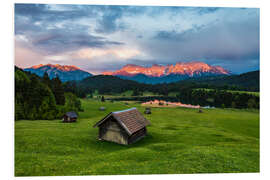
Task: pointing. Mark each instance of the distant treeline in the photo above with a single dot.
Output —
(219, 98)
(41, 98)
(214, 98)
(187, 91)
(114, 85)
(146, 98)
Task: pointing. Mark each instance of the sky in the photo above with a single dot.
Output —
(105, 38)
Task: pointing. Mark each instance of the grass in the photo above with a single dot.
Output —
(179, 140)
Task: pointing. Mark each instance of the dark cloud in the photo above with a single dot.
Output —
(206, 10)
(42, 12)
(107, 16)
(33, 10)
(173, 35)
(49, 37)
(57, 42)
(222, 40)
(109, 21)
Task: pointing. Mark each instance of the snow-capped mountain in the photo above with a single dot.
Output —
(167, 73)
(64, 72)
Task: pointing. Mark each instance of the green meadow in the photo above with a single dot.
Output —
(179, 140)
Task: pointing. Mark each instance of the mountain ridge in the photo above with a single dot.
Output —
(184, 68)
(157, 74)
(64, 72)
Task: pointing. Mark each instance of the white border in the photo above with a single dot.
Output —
(215, 3)
(7, 79)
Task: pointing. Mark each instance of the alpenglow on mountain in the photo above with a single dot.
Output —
(64, 72)
(168, 73)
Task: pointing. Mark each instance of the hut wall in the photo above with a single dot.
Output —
(111, 131)
(68, 119)
(136, 136)
(65, 118)
(73, 119)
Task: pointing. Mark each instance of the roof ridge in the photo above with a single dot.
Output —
(116, 112)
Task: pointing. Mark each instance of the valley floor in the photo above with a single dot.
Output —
(179, 140)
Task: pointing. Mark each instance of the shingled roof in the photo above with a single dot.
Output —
(130, 119)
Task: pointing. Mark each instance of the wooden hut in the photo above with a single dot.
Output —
(123, 127)
(70, 117)
(147, 110)
(102, 108)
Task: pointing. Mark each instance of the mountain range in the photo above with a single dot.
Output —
(168, 73)
(155, 74)
(199, 73)
(64, 72)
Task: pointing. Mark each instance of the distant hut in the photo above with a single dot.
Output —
(122, 127)
(147, 110)
(102, 108)
(70, 117)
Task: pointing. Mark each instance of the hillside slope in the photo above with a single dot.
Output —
(250, 80)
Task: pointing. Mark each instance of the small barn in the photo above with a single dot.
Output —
(123, 127)
(70, 117)
(147, 110)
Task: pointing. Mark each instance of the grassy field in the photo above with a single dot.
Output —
(179, 140)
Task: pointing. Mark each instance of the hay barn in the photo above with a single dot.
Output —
(123, 127)
(70, 117)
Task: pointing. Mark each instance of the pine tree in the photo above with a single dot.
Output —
(46, 79)
(58, 91)
(102, 99)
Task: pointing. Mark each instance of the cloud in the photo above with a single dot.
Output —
(108, 21)
(24, 57)
(90, 53)
(52, 13)
(223, 40)
(60, 40)
(107, 16)
(110, 36)
(206, 10)
(57, 42)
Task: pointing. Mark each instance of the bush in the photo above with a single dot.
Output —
(102, 99)
(161, 103)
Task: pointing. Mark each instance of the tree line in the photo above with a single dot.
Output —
(219, 98)
(213, 98)
(114, 85)
(187, 91)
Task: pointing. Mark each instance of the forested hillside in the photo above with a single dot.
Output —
(214, 91)
(106, 84)
(41, 98)
(249, 81)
